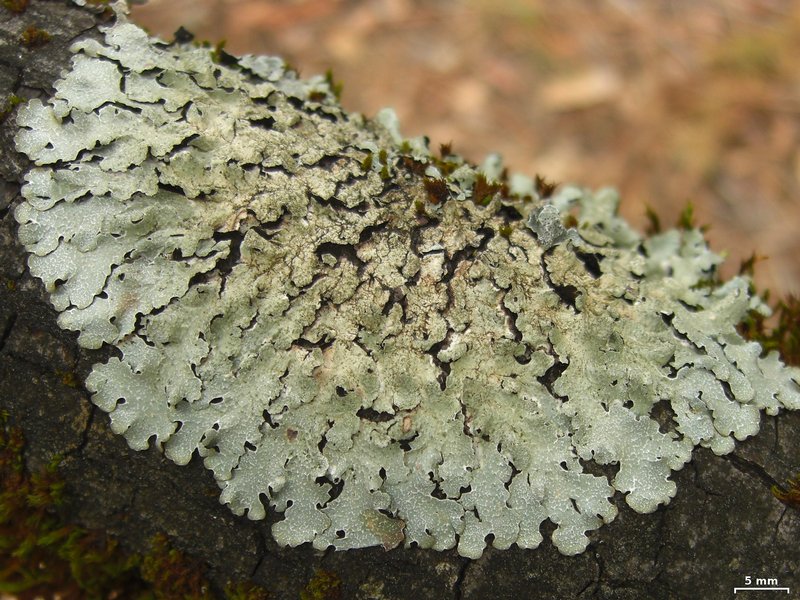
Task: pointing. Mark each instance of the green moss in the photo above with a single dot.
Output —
(15, 6)
(217, 52)
(9, 105)
(41, 556)
(325, 585)
(246, 591)
(366, 164)
(336, 87)
(790, 495)
(172, 574)
(686, 220)
(483, 192)
(783, 336)
(33, 37)
(653, 222)
(68, 378)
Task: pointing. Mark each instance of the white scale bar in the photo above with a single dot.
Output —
(761, 589)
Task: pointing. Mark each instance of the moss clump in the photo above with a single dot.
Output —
(686, 220)
(335, 86)
(172, 573)
(366, 164)
(16, 6)
(68, 378)
(12, 102)
(246, 591)
(790, 495)
(33, 37)
(484, 191)
(325, 585)
(779, 331)
(436, 190)
(41, 556)
(783, 336)
(544, 188)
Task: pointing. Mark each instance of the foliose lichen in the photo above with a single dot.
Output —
(381, 359)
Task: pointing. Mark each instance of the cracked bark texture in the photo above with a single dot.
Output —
(723, 524)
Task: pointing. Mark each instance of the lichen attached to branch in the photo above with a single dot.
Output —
(385, 345)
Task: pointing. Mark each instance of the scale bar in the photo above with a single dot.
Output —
(761, 589)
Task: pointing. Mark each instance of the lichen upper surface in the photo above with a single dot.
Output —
(384, 359)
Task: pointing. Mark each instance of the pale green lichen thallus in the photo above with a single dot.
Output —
(383, 366)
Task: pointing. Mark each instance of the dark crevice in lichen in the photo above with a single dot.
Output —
(551, 376)
(568, 293)
(726, 389)
(184, 144)
(508, 213)
(663, 414)
(360, 209)
(592, 467)
(268, 419)
(437, 491)
(405, 444)
(339, 251)
(330, 160)
(264, 123)
(467, 428)
(668, 319)
(171, 189)
(268, 229)
(511, 320)
(368, 231)
(397, 295)
(525, 357)
(443, 366)
(374, 416)
(323, 343)
(224, 265)
(689, 307)
(591, 262)
(466, 253)
(325, 115)
(415, 239)
(357, 342)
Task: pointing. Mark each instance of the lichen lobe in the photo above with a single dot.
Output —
(383, 368)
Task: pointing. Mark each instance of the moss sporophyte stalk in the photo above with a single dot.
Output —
(389, 346)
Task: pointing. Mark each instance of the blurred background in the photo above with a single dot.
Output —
(668, 101)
